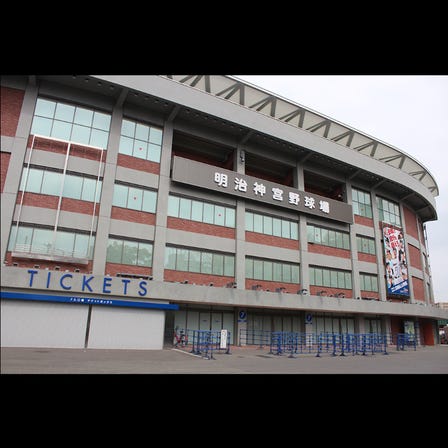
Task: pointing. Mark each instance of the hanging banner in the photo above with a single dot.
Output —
(397, 282)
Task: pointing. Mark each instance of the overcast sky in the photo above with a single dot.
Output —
(408, 112)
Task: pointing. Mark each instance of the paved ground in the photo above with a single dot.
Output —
(241, 360)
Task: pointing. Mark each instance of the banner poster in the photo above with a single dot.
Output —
(397, 282)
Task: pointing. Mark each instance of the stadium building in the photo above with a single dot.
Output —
(136, 205)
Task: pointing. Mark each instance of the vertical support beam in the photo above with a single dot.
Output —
(299, 183)
(382, 291)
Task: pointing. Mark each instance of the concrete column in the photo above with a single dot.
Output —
(158, 258)
(107, 193)
(356, 284)
(240, 223)
(382, 291)
(299, 183)
(18, 153)
(406, 250)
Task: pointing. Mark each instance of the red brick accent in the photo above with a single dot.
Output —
(270, 240)
(410, 220)
(114, 268)
(291, 288)
(38, 200)
(414, 256)
(126, 214)
(418, 287)
(427, 331)
(28, 263)
(200, 227)
(4, 164)
(363, 220)
(138, 164)
(11, 105)
(197, 278)
(78, 206)
(330, 291)
(328, 250)
(375, 295)
(366, 257)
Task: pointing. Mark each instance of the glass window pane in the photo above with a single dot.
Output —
(285, 229)
(34, 181)
(64, 112)
(348, 280)
(312, 276)
(149, 201)
(294, 231)
(144, 255)
(142, 132)
(88, 189)
(81, 247)
(153, 153)
(230, 217)
(120, 198)
(83, 117)
(51, 183)
(12, 238)
(81, 134)
(324, 236)
(258, 269)
(258, 223)
(249, 268)
(341, 280)
(295, 272)
(155, 136)
(41, 126)
(356, 208)
(72, 186)
(185, 208)
(249, 221)
(45, 108)
(128, 128)
(135, 197)
(173, 206)
(129, 252)
(219, 215)
(286, 273)
(345, 241)
(267, 270)
(372, 247)
(332, 238)
(196, 210)
(24, 239)
(318, 276)
(182, 260)
(99, 138)
(140, 149)
(317, 235)
(101, 121)
(334, 279)
(277, 272)
(218, 264)
(65, 243)
(326, 277)
(359, 243)
(367, 283)
(170, 258)
(126, 145)
(114, 250)
(229, 265)
(277, 227)
(339, 242)
(374, 280)
(267, 225)
(310, 233)
(354, 195)
(206, 263)
(208, 213)
(61, 130)
(195, 261)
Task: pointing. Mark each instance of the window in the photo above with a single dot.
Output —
(327, 237)
(330, 278)
(134, 198)
(369, 282)
(365, 244)
(72, 123)
(134, 253)
(389, 211)
(205, 262)
(269, 270)
(362, 204)
(45, 241)
(201, 211)
(268, 225)
(140, 140)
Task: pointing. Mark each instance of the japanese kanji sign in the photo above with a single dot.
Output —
(230, 182)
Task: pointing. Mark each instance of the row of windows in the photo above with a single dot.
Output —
(46, 241)
(201, 211)
(268, 225)
(268, 270)
(388, 211)
(365, 244)
(369, 282)
(129, 252)
(49, 182)
(74, 123)
(140, 140)
(361, 203)
(330, 278)
(134, 198)
(326, 237)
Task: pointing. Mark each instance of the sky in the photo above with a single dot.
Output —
(409, 112)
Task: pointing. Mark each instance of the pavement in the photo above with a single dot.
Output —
(240, 360)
